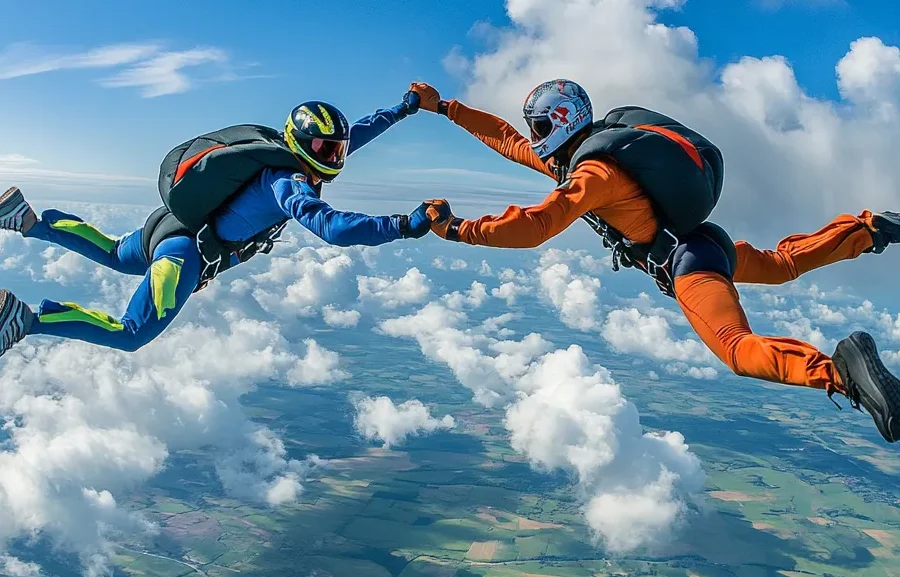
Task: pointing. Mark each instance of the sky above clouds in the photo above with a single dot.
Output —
(808, 123)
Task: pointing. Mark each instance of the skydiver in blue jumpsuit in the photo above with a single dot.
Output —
(172, 273)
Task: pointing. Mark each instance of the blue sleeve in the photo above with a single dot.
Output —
(336, 227)
(368, 128)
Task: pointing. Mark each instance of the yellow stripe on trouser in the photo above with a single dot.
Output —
(77, 313)
(87, 232)
(164, 276)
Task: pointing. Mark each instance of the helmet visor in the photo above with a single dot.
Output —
(330, 153)
(541, 127)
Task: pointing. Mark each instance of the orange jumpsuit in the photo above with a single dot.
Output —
(709, 300)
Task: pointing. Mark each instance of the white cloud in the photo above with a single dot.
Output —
(320, 366)
(510, 291)
(14, 568)
(26, 59)
(683, 369)
(455, 264)
(62, 266)
(20, 169)
(562, 412)
(574, 296)
(582, 258)
(164, 73)
(754, 110)
(379, 418)
(485, 269)
(824, 314)
(413, 287)
(869, 75)
(645, 304)
(335, 317)
(630, 331)
(88, 423)
(474, 297)
(156, 72)
(299, 283)
(16, 159)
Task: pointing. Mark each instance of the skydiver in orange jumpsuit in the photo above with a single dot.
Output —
(646, 184)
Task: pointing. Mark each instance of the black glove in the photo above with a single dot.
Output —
(411, 101)
(417, 224)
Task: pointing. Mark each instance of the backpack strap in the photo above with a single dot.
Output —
(654, 258)
(217, 254)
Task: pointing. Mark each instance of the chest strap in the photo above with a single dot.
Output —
(654, 258)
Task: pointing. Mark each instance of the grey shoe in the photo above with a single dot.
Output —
(16, 319)
(15, 212)
(869, 383)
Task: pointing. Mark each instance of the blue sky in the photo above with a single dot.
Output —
(259, 62)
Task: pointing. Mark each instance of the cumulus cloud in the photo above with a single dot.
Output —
(335, 317)
(574, 296)
(379, 418)
(510, 291)
(455, 264)
(754, 108)
(563, 412)
(16, 568)
(320, 366)
(474, 297)
(630, 331)
(413, 287)
(302, 279)
(86, 423)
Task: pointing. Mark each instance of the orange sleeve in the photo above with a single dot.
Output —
(498, 134)
(588, 187)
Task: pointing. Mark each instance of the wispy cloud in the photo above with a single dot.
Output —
(148, 67)
(164, 73)
(27, 59)
(19, 168)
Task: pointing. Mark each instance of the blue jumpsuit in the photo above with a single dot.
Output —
(174, 270)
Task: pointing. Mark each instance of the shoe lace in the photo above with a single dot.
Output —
(852, 395)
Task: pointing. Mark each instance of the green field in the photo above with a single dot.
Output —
(782, 500)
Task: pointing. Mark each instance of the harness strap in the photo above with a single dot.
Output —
(216, 254)
(653, 258)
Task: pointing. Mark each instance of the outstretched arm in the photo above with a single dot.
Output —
(489, 129)
(370, 127)
(590, 187)
(336, 227)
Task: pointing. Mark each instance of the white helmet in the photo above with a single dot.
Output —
(554, 111)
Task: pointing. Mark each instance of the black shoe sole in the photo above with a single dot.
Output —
(857, 356)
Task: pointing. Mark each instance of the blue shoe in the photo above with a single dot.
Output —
(15, 213)
(16, 319)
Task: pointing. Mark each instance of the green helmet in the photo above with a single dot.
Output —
(319, 134)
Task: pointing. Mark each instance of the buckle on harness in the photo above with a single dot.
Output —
(211, 266)
(660, 271)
